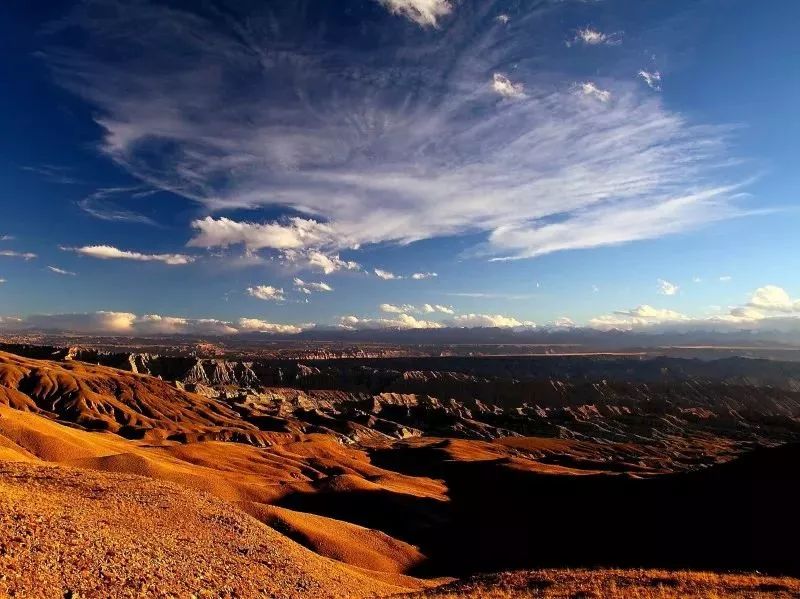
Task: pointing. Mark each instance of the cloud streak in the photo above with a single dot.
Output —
(108, 252)
(15, 254)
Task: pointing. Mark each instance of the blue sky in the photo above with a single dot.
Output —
(227, 166)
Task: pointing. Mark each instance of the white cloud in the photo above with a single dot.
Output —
(772, 298)
(588, 88)
(327, 263)
(95, 322)
(107, 252)
(423, 12)
(6, 237)
(401, 321)
(13, 254)
(489, 320)
(641, 316)
(154, 324)
(126, 323)
(386, 275)
(254, 324)
(430, 308)
(419, 276)
(502, 18)
(667, 288)
(613, 225)
(392, 309)
(60, 271)
(367, 162)
(295, 233)
(564, 323)
(1, 282)
(697, 280)
(652, 79)
(591, 37)
(266, 293)
(311, 287)
(769, 308)
(503, 85)
(726, 279)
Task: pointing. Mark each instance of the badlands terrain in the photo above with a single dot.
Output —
(135, 474)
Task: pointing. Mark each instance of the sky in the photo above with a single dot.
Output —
(219, 167)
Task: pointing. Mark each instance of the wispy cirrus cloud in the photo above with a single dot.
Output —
(108, 252)
(15, 254)
(102, 205)
(376, 148)
(61, 271)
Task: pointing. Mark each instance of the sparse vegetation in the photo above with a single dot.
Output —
(618, 584)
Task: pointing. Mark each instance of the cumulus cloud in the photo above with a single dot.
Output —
(1, 282)
(392, 309)
(326, 263)
(386, 275)
(383, 150)
(431, 308)
(108, 252)
(667, 288)
(60, 271)
(419, 276)
(489, 320)
(154, 324)
(13, 254)
(652, 79)
(423, 12)
(772, 298)
(292, 234)
(502, 18)
(261, 326)
(6, 237)
(592, 37)
(126, 323)
(503, 85)
(311, 287)
(266, 293)
(401, 321)
(769, 308)
(643, 315)
(590, 89)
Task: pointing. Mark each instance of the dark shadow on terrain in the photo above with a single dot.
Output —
(736, 516)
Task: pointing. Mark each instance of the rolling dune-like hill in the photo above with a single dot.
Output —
(121, 457)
